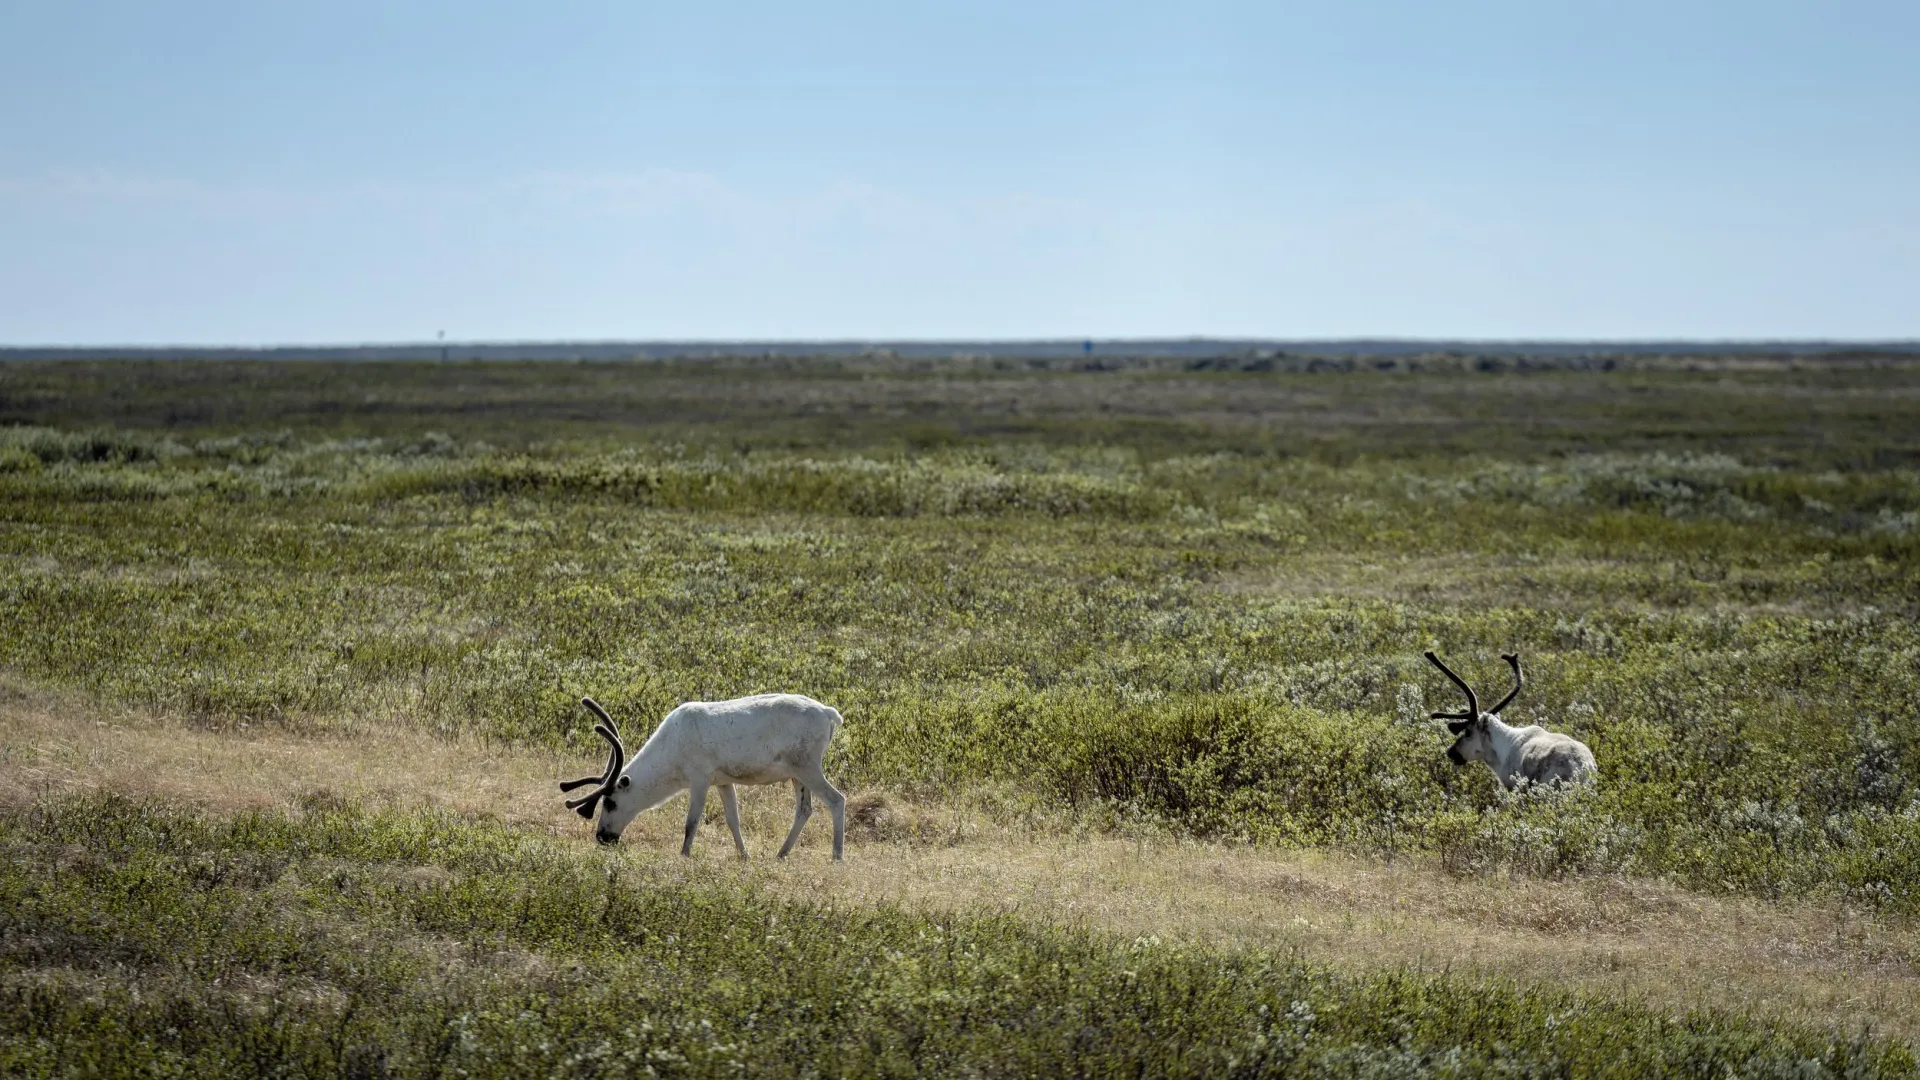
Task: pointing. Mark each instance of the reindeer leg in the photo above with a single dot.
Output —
(696, 805)
(802, 810)
(816, 782)
(732, 806)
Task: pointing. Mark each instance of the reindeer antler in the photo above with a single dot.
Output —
(616, 757)
(599, 712)
(1513, 660)
(599, 777)
(1473, 702)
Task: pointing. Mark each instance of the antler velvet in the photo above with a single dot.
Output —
(1473, 702)
(1513, 660)
(616, 757)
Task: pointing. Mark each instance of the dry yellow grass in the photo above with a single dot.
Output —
(1811, 961)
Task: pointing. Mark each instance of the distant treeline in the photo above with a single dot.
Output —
(1190, 353)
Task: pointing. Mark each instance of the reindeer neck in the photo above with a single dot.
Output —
(654, 775)
(1505, 740)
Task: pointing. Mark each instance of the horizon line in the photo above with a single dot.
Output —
(1075, 340)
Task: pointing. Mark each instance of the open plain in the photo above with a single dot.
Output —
(1140, 773)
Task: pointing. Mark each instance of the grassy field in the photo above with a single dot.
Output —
(1136, 718)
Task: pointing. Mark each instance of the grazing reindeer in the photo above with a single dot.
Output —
(1531, 753)
(751, 740)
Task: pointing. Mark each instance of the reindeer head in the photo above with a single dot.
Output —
(1473, 743)
(608, 783)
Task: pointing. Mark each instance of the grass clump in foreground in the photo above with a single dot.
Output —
(148, 940)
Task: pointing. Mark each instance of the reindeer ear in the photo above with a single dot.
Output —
(1459, 727)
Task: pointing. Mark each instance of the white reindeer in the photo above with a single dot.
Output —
(762, 739)
(1530, 753)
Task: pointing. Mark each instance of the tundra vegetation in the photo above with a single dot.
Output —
(1170, 617)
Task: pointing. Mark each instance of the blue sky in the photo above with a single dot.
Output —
(274, 173)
